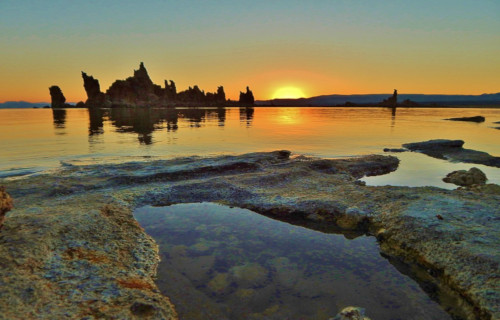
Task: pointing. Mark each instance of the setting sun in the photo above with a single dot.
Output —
(288, 93)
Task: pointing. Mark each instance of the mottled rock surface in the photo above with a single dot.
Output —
(351, 313)
(71, 247)
(477, 119)
(452, 150)
(466, 178)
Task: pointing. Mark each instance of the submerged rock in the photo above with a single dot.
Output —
(220, 284)
(466, 178)
(477, 119)
(5, 204)
(250, 275)
(351, 313)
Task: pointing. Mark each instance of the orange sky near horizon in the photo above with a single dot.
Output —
(329, 47)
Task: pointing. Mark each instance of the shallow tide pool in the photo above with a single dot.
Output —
(219, 262)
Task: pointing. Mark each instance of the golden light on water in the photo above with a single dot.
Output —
(288, 93)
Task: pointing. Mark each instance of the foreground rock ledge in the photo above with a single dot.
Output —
(71, 248)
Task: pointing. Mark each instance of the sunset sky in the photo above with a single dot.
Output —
(276, 47)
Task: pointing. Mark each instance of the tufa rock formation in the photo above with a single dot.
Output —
(139, 90)
(391, 102)
(466, 178)
(57, 98)
(247, 98)
(5, 204)
(95, 98)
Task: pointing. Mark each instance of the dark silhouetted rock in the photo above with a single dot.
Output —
(138, 90)
(434, 144)
(392, 101)
(95, 98)
(170, 91)
(452, 150)
(395, 150)
(57, 97)
(194, 95)
(466, 178)
(409, 104)
(80, 104)
(477, 119)
(247, 98)
(5, 204)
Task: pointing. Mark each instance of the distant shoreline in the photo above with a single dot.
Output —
(281, 106)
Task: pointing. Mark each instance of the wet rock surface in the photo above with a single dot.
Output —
(351, 313)
(466, 178)
(71, 247)
(453, 150)
(435, 144)
(5, 204)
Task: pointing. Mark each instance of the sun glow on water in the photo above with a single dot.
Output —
(288, 93)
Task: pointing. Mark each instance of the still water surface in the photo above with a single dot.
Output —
(219, 262)
(34, 140)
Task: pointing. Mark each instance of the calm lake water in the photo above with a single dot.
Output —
(33, 140)
(221, 263)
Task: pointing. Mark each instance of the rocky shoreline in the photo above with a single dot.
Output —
(71, 247)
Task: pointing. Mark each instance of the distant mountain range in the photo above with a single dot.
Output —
(424, 99)
(22, 104)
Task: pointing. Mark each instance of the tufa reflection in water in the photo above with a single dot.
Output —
(246, 115)
(59, 118)
(144, 121)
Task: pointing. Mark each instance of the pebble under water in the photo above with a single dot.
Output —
(219, 262)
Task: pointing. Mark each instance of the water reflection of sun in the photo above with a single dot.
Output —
(289, 116)
(288, 93)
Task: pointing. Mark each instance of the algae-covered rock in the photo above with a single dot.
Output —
(466, 178)
(196, 269)
(313, 287)
(351, 219)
